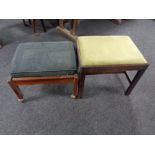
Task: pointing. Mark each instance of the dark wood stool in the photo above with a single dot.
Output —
(109, 55)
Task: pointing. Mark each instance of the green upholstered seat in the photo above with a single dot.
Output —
(44, 59)
(108, 50)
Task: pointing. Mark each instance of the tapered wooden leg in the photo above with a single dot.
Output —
(134, 81)
(43, 25)
(81, 86)
(17, 90)
(75, 88)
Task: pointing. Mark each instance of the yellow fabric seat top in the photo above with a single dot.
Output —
(108, 50)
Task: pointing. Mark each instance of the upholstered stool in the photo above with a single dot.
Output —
(43, 63)
(109, 54)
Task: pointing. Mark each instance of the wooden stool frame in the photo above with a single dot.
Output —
(16, 82)
(110, 69)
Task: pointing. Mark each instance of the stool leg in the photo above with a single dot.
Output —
(81, 85)
(75, 89)
(134, 81)
(17, 90)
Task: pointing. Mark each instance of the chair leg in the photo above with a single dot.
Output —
(17, 90)
(43, 25)
(81, 85)
(29, 20)
(61, 23)
(57, 22)
(134, 81)
(1, 45)
(24, 22)
(73, 26)
(34, 25)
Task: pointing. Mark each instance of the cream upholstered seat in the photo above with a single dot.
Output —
(108, 50)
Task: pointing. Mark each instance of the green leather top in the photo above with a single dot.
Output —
(44, 59)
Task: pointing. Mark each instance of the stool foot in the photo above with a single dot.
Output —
(134, 81)
(16, 90)
(20, 100)
(73, 96)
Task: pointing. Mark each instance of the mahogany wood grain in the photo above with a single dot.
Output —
(16, 82)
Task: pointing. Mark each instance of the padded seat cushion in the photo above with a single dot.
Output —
(108, 50)
(44, 59)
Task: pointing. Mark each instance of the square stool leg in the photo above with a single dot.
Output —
(81, 85)
(16, 90)
(134, 81)
(75, 88)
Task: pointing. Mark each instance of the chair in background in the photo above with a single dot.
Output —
(69, 33)
(32, 22)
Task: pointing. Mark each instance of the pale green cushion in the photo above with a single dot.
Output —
(44, 59)
(108, 50)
